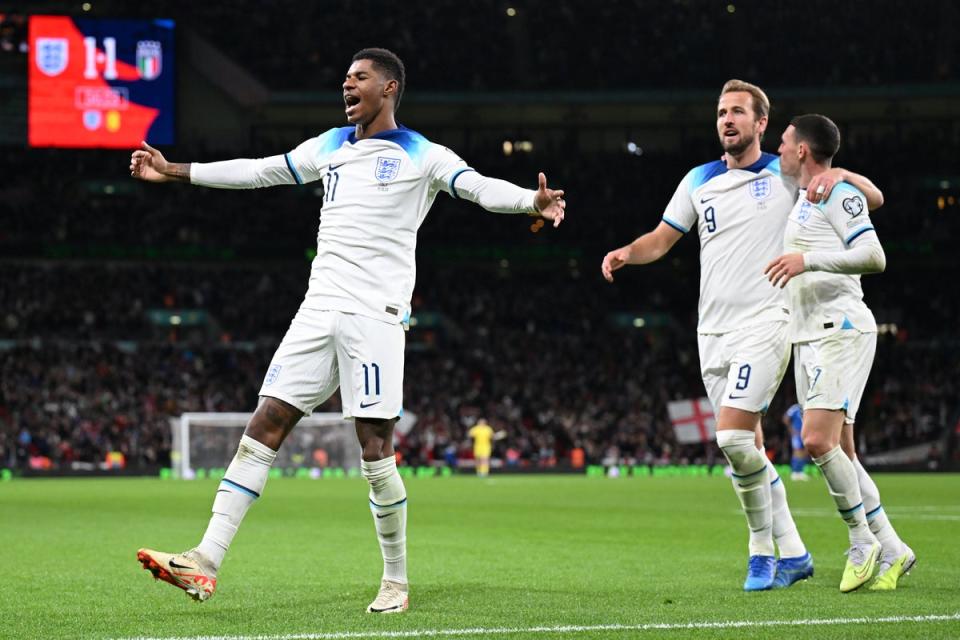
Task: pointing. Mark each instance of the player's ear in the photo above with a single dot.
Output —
(390, 88)
(762, 123)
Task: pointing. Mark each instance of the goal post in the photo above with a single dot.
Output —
(208, 440)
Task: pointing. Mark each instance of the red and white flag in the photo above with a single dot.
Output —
(693, 420)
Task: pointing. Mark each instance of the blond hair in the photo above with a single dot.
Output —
(761, 104)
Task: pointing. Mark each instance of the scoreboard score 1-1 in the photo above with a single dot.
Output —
(100, 83)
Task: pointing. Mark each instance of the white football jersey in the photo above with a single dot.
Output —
(740, 215)
(377, 192)
(824, 303)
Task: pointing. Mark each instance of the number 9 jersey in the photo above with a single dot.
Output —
(741, 215)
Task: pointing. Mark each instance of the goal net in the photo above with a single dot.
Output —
(208, 441)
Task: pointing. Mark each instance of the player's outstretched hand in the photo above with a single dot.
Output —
(550, 202)
(783, 269)
(146, 163)
(613, 261)
(820, 186)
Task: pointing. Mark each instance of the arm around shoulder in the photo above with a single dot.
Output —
(871, 192)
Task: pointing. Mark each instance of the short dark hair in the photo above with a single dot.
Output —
(820, 134)
(761, 103)
(388, 63)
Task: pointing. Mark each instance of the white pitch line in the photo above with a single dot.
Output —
(653, 626)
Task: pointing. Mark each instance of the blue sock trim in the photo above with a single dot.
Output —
(243, 489)
(847, 512)
(387, 506)
(873, 514)
(762, 469)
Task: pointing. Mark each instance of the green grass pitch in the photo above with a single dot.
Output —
(508, 557)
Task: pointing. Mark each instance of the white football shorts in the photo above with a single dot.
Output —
(326, 349)
(743, 369)
(832, 372)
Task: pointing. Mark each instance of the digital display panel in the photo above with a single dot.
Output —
(100, 83)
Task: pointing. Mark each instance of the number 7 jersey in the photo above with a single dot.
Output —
(740, 216)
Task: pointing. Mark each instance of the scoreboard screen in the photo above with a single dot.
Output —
(100, 83)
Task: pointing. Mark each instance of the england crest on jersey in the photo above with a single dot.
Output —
(52, 55)
(149, 59)
(805, 210)
(387, 169)
(760, 189)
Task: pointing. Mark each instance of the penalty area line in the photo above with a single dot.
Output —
(572, 629)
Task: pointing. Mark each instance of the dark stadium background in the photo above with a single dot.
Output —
(615, 102)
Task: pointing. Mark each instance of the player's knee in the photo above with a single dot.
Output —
(817, 443)
(376, 438)
(739, 446)
(272, 421)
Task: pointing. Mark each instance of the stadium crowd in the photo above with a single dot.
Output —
(541, 354)
(525, 332)
(497, 46)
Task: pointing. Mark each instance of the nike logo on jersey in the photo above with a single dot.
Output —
(809, 398)
(364, 406)
(733, 397)
(335, 167)
(706, 200)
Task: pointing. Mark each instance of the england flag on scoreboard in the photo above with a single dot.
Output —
(693, 420)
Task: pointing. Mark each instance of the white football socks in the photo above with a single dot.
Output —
(241, 485)
(751, 485)
(388, 503)
(842, 482)
(876, 516)
(785, 532)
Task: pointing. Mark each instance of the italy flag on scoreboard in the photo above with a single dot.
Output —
(693, 420)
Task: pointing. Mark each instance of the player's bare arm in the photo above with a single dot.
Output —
(820, 186)
(549, 202)
(148, 164)
(648, 248)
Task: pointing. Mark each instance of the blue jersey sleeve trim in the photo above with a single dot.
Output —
(453, 181)
(293, 171)
(856, 234)
(676, 225)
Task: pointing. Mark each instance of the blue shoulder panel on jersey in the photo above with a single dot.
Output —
(845, 190)
(409, 140)
(700, 175)
(333, 139)
(774, 166)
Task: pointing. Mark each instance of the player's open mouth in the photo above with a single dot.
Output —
(351, 101)
(730, 133)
